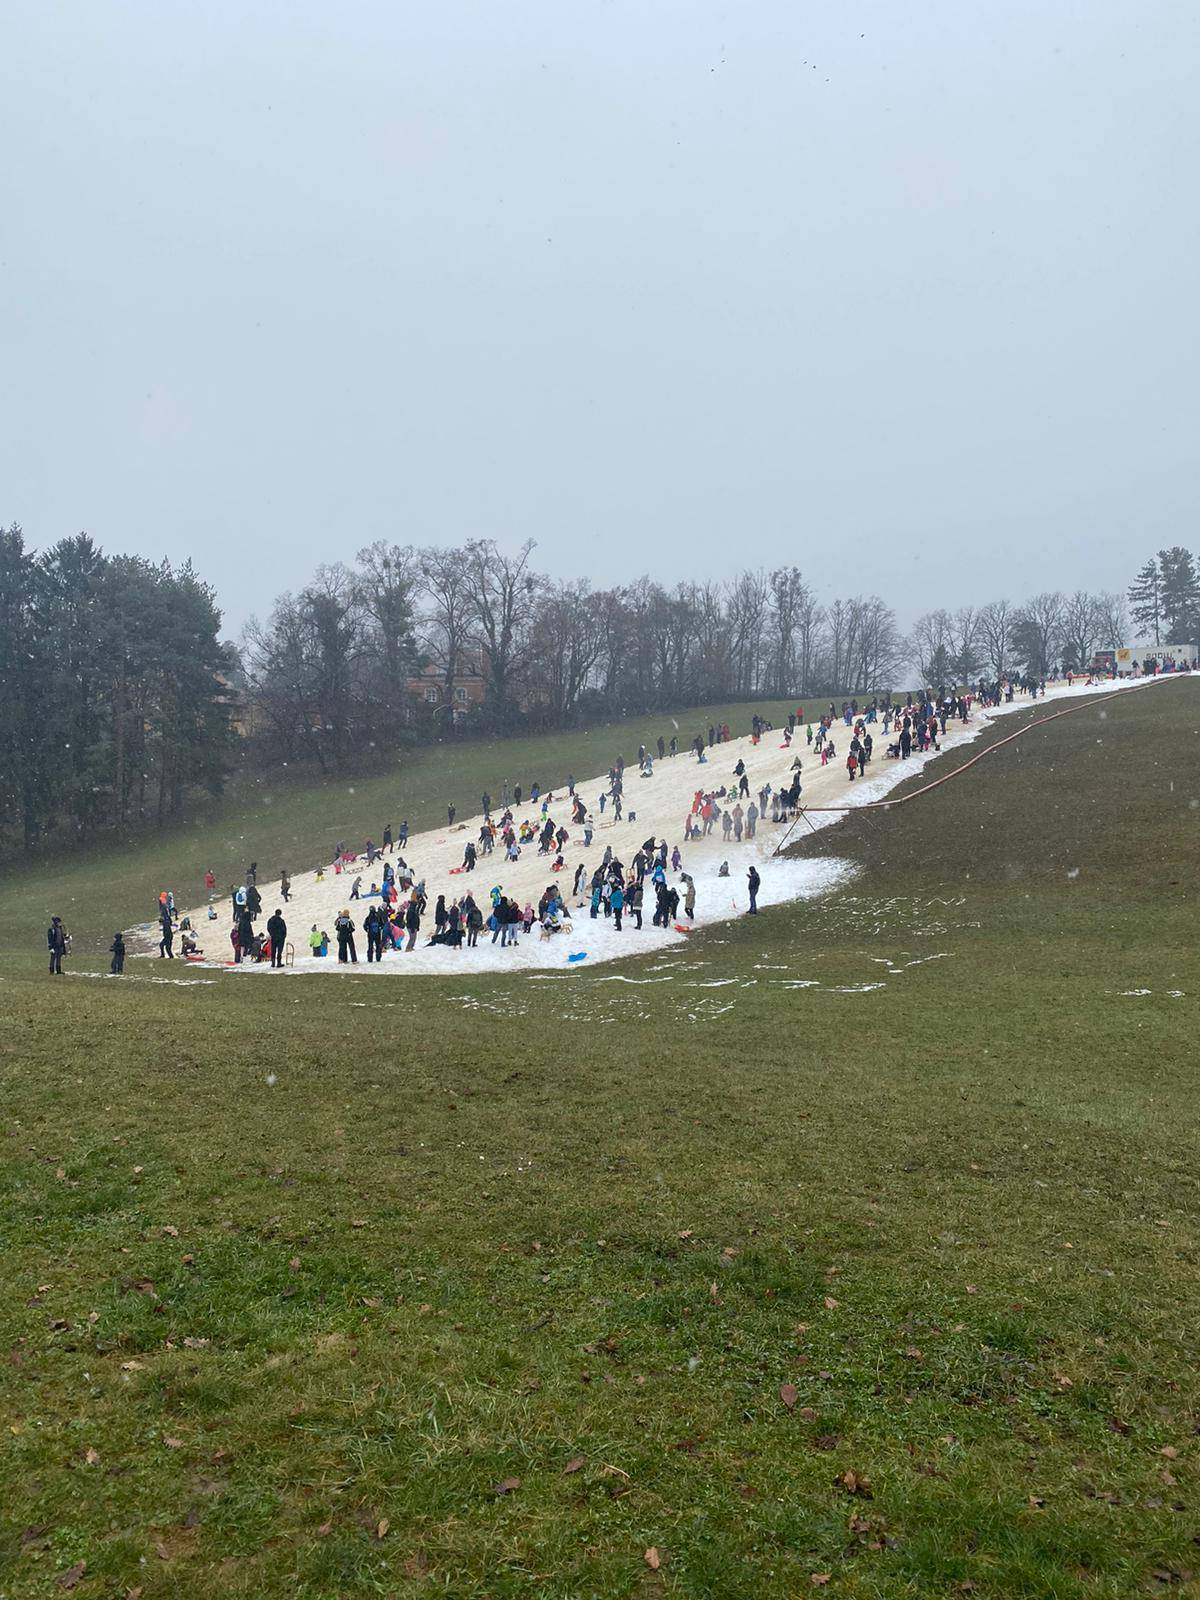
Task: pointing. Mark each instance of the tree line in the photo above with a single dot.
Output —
(115, 705)
(326, 673)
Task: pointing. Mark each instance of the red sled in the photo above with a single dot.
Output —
(682, 927)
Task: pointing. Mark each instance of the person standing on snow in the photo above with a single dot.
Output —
(344, 928)
(753, 881)
(277, 933)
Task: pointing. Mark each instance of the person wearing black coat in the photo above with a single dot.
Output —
(277, 933)
(245, 932)
(373, 924)
(344, 928)
(56, 943)
(167, 939)
(118, 953)
(412, 922)
(753, 880)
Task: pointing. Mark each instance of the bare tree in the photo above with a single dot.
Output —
(932, 640)
(447, 620)
(1081, 623)
(789, 597)
(502, 594)
(570, 639)
(746, 609)
(964, 644)
(996, 621)
(1037, 635)
(1111, 621)
(387, 586)
(810, 621)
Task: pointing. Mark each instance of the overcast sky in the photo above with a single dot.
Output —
(903, 293)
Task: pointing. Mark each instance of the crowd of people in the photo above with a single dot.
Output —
(652, 881)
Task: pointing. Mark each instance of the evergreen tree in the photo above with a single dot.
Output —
(1179, 595)
(1145, 601)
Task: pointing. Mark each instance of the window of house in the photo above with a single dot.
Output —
(460, 694)
(431, 697)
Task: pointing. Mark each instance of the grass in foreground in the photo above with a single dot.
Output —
(802, 1283)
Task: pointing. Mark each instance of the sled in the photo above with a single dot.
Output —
(193, 958)
(289, 954)
(454, 871)
(682, 927)
(579, 955)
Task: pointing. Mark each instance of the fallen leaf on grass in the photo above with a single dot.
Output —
(294, 1264)
(819, 1579)
(854, 1483)
(171, 1231)
(830, 1303)
(506, 1486)
(372, 1303)
(194, 1344)
(1036, 1502)
(652, 1559)
(381, 1528)
(808, 1413)
(574, 1464)
(173, 1444)
(92, 1457)
(1169, 1451)
(789, 1394)
(325, 1530)
(69, 1578)
(358, 1222)
(914, 1354)
(132, 1366)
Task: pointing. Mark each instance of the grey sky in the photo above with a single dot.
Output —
(669, 287)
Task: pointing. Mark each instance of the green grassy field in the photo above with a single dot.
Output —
(851, 1250)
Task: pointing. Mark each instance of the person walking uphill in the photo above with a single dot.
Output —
(753, 881)
(277, 933)
(56, 943)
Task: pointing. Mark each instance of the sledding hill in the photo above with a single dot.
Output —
(283, 823)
